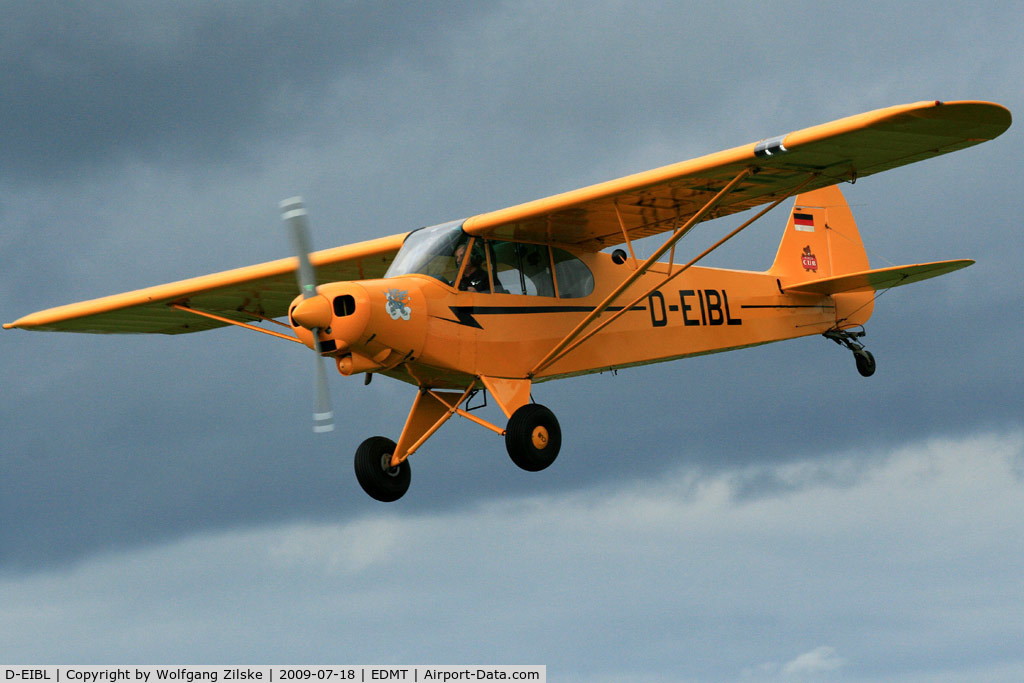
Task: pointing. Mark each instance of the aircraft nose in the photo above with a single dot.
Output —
(349, 309)
(339, 311)
(314, 312)
(363, 323)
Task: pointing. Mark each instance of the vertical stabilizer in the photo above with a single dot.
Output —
(822, 240)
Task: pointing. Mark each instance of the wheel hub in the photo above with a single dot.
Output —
(385, 464)
(540, 437)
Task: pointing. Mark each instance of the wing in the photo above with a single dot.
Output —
(244, 294)
(657, 200)
(881, 278)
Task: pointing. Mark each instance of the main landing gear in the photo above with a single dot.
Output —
(378, 478)
(865, 361)
(533, 439)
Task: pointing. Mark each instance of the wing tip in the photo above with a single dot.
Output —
(981, 112)
(25, 322)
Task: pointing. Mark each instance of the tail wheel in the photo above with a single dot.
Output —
(378, 478)
(533, 437)
(865, 362)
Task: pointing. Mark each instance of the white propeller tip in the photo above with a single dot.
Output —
(293, 208)
(323, 422)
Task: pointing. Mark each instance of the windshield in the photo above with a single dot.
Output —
(430, 251)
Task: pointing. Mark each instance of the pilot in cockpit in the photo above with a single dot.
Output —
(474, 278)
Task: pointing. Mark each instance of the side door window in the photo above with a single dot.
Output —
(573, 276)
(521, 269)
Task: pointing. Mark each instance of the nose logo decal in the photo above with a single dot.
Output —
(397, 304)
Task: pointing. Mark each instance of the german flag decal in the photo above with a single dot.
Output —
(804, 222)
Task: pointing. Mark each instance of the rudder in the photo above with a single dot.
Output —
(821, 240)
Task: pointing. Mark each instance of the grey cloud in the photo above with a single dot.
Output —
(388, 120)
(658, 578)
(86, 82)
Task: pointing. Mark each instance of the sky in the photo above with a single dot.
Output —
(766, 514)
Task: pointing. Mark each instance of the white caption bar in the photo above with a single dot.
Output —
(268, 674)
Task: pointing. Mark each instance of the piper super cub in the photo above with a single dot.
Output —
(504, 300)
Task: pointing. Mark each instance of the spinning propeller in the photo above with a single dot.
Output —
(309, 313)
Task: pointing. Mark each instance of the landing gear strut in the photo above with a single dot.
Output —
(865, 361)
(532, 437)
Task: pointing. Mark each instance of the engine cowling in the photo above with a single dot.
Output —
(366, 326)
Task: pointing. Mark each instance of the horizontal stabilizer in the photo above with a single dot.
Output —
(881, 278)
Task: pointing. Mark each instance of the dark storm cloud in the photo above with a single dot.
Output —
(183, 82)
(400, 117)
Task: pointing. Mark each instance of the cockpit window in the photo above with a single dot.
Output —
(430, 251)
(575, 280)
(521, 269)
(514, 267)
(470, 257)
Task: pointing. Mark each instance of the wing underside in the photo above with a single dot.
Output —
(655, 201)
(248, 294)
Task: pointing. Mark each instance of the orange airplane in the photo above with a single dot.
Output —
(504, 300)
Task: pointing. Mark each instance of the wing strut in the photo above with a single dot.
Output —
(558, 351)
(222, 319)
(625, 234)
(615, 316)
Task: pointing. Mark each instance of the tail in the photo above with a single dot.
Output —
(822, 242)
(822, 253)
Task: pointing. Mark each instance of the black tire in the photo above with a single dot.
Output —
(533, 437)
(865, 362)
(375, 474)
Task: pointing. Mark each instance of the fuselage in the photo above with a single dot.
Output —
(421, 328)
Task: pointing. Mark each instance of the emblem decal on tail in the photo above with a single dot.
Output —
(397, 304)
(808, 260)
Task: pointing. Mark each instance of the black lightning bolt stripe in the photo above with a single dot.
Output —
(465, 315)
(786, 306)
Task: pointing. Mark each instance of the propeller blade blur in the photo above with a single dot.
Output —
(295, 216)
